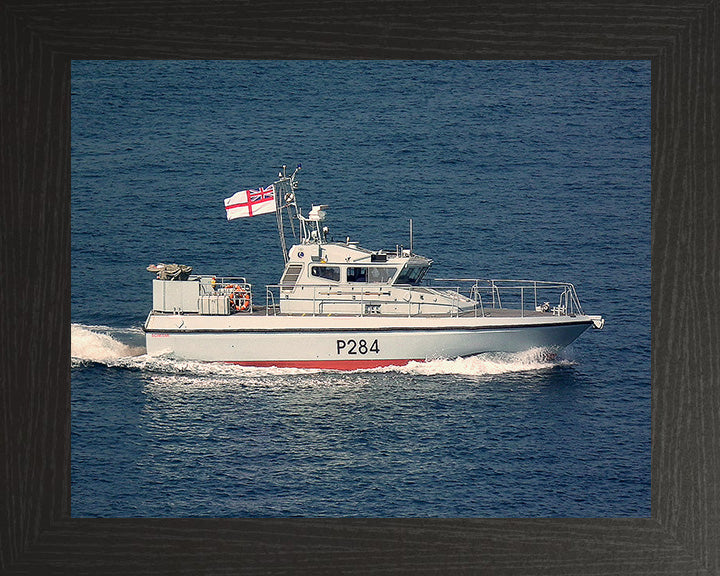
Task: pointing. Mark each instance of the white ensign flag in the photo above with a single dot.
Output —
(250, 203)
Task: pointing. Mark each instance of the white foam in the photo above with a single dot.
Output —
(482, 364)
(96, 345)
(210, 369)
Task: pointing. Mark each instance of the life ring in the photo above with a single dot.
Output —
(239, 299)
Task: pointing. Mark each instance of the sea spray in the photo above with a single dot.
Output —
(483, 364)
(96, 345)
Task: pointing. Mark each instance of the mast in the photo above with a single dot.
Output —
(285, 187)
(309, 229)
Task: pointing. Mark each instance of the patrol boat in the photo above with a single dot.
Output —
(340, 306)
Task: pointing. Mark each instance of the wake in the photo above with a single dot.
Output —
(484, 364)
(103, 344)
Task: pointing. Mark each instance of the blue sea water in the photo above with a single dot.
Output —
(537, 169)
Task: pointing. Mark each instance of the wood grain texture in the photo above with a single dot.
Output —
(38, 41)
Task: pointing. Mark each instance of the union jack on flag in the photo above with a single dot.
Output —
(250, 203)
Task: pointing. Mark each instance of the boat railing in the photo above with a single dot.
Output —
(527, 297)
(324, 300)
(559, 298)
(271, 307)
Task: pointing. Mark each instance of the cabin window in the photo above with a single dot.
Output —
(326, 272)
(381, 274)
(411, 275)
(357, 274)
(374, 274)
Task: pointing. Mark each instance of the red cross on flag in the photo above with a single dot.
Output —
(250, 203)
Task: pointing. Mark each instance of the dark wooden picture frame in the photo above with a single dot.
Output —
(39, 41)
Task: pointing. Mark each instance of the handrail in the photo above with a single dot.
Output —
(568, 302)
(318, 294)
(504, 293)
(270, 295)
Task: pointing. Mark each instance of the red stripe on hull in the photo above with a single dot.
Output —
(324, 364)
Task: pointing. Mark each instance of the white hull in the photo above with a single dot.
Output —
(338, 342)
